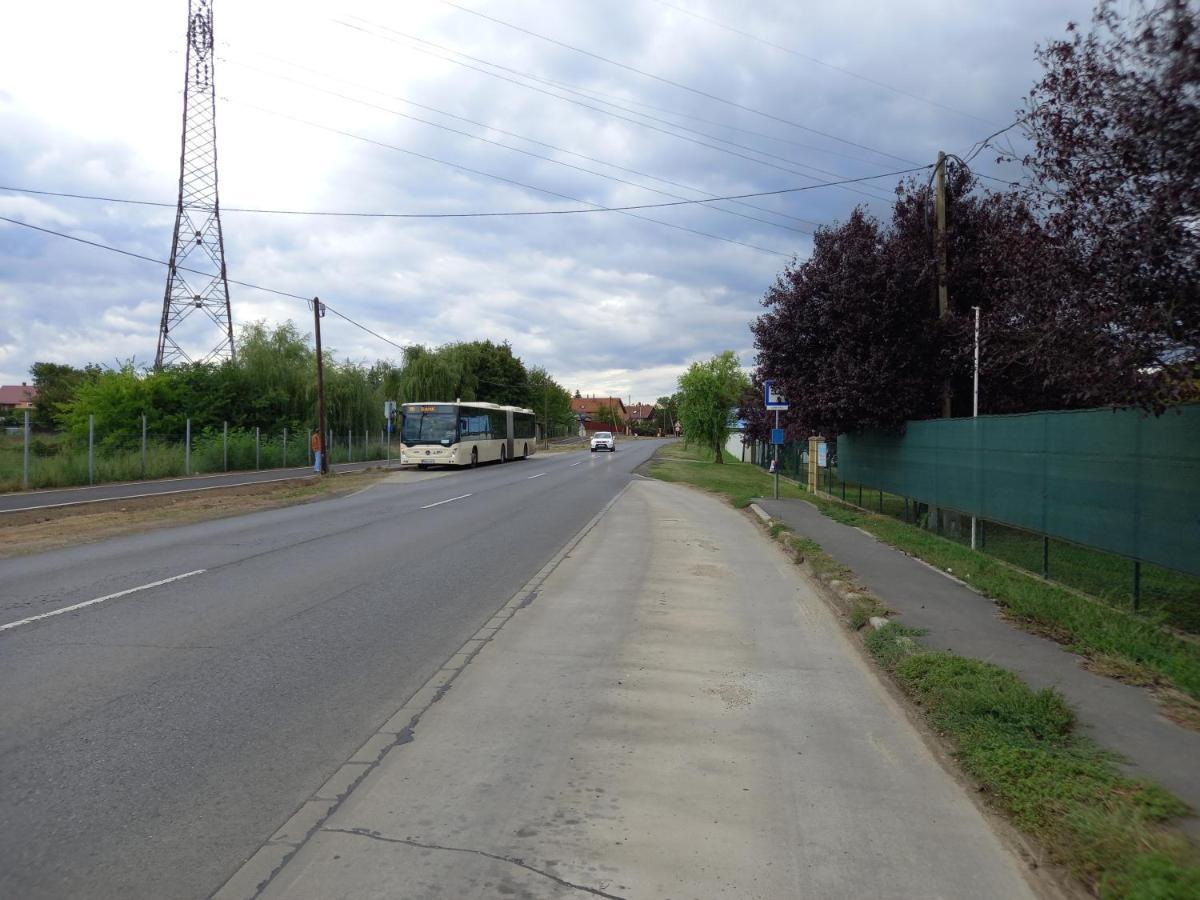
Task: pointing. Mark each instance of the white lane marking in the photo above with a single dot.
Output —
(72, 608)
(538, 475)
(580, 463)
(451, 500)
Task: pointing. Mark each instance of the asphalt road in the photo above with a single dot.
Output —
(151, 742)
(20, 501)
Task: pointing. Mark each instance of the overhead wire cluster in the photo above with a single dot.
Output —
(607, 105)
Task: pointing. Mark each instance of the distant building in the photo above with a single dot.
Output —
(16, 398)
(587, 410)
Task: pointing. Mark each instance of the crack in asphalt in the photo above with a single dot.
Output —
(512, 860)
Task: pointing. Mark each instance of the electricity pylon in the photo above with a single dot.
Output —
(196, 280)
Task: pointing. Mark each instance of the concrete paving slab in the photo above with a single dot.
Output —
(699, 726)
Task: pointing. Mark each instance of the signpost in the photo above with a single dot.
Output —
(772, 399)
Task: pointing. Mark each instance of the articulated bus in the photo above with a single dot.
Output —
(465, 434)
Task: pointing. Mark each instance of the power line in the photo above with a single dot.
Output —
(606, 112)
(467, 215)
(504, 146)
(160, 262)
(821, 62)
(502, 178)
(493, 127)
(602, 97)
(668, 81)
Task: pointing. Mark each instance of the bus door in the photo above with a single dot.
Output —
(508, 418)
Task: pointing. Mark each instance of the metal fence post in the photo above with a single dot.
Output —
(1045, 556)
(187, 449)
(25, 458)
(225, 446)
(389, 443)
(143, 445)
(1137, 584)
(285, 447)
(881, 499)
(349, 445)
(328, 448)
(257, 458)
(308, 452)
(91, 448)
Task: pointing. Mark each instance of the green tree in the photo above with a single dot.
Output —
(668, 412)
(56, 384)
(550, 402)
(708, 394)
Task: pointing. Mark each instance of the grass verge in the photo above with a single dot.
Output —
(1021, 747)
(1170, 597)
(693, 465)
(40, 530)
(1087, 626)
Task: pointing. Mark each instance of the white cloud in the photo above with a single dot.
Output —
(608, 303)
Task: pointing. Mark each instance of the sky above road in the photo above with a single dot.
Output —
(428, 107)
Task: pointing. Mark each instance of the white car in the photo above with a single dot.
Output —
(604, 440)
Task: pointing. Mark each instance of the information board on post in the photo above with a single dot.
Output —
(777, 436)
(772, 398)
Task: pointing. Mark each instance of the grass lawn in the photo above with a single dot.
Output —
(739, 481)
(1021, 747)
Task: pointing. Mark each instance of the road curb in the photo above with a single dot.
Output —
(256, 873)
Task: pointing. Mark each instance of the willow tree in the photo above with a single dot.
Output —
(708, 395)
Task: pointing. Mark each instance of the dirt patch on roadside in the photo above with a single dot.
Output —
(36, 531)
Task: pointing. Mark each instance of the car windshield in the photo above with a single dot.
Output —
(430, 425)
(604, 435)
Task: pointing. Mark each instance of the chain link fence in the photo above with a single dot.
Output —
(31, 460)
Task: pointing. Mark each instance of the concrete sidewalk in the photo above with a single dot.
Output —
(1118, 716)
(673, 714)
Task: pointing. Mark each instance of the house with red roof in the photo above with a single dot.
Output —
(588, 409)
(16, 398)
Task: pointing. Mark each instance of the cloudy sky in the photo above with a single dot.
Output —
(366, 106)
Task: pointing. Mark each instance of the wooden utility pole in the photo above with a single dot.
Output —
(943, 301)
(318, 311)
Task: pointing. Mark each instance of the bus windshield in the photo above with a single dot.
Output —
(430, 425)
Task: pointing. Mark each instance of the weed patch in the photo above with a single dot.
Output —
(1020, 745)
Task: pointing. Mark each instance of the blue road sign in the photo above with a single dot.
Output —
(776, 435)
(772, 397)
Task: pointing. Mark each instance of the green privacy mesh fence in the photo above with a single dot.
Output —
(1114, 479)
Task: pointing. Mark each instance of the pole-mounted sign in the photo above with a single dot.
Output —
(772, 397)
(773, 400)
